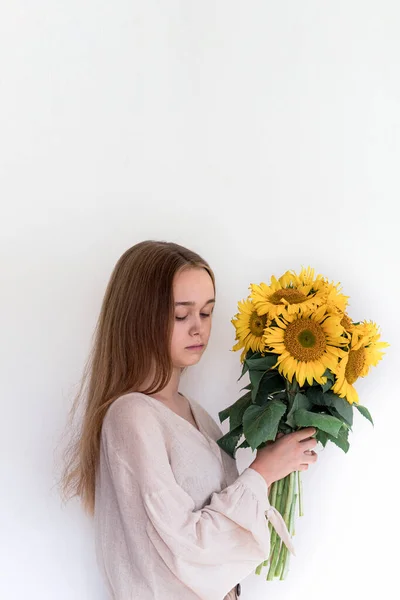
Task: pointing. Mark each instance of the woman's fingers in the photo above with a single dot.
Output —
(303, 434)
(313, 455)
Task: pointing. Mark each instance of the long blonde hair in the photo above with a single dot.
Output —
(133, 332)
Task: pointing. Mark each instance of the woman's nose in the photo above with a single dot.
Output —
(197, 326)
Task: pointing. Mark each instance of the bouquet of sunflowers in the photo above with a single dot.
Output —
(303, 354)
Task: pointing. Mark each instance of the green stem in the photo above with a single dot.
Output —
(285, 568)
(279, 492)
(289, 499)
(292, 515)
(301, 514)
(291, 391)
(281, 561)
(273, 496)
(282, 572)
(294, 505)
(273, 490)
(286, 518)
(275, 539)
(274, 559)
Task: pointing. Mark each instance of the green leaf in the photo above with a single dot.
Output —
(326, 386)
(255, 378)
(300, 401)
(343, 407)
(226, 412)
(280, 396)
(318, 398)
(238, 409)
(271, 382)
(332, 411)
(329, 424)
(228, 441)
(244, 444)
(245, 367)
(342, 439)
(260, 423)
(283, 428)
(322, 437)
(332, 401)
(261, 363)
(364, 411)
(330, 380)
(328, 373)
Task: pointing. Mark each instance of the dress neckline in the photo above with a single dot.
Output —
(199, 429)
(184, 424)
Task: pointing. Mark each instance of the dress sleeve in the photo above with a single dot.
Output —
(211, 549)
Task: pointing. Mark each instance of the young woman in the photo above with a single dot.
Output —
(173, 518)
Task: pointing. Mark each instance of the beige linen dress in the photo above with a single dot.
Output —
(174, 520)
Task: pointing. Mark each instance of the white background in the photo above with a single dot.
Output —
(265, 136)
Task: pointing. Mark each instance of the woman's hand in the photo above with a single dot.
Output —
(290, 452)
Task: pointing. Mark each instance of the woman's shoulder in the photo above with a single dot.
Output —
(131, 428)
(129, 409)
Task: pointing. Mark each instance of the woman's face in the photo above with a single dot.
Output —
(194, 303)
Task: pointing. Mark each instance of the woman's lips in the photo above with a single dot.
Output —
(199, 347)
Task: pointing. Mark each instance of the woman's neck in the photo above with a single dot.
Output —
(169, 394)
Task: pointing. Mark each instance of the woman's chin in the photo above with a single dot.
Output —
(188, 361)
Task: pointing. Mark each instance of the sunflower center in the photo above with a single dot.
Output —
(289, 294)
(305, 340)
(355, 365)
(257, 324)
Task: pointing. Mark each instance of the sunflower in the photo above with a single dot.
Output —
(307, 344)
(334, 299)
(287, 295)
(249, 327)
(346, 322)
(365, 351)
(307, 277)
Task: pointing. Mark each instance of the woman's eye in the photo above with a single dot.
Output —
(204, 315)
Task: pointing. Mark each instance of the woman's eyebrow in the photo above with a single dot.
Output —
(193, 303)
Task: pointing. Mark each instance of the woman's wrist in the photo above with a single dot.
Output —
(267, 477)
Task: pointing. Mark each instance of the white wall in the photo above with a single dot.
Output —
(264, 135)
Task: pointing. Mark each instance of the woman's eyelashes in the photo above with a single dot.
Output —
(204, 315)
